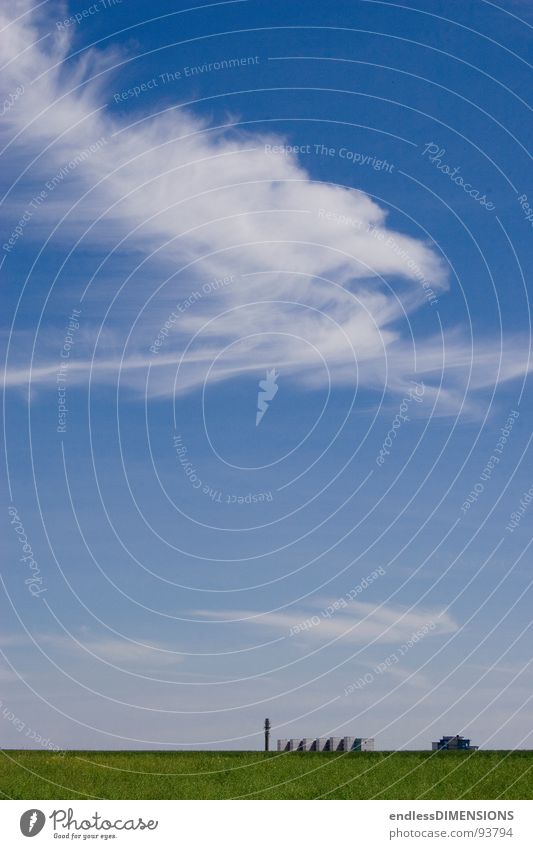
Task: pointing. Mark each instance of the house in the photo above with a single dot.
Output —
(453, 743)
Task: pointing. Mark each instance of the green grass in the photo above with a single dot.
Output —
(256, 775)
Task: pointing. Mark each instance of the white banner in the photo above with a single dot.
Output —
(267, 824)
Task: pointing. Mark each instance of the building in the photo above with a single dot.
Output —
(326, 744)
(455, 743)
(362, 744)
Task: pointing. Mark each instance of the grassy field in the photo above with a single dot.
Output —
(256, 775)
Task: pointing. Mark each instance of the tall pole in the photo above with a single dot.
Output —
(267, 735)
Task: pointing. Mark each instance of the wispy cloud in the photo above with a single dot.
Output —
(135, 653)
(360, 623)
(317, 271)
(115, 650)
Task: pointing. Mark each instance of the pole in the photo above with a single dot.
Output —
(267, 735)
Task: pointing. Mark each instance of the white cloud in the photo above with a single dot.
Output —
(113, 650)
(109, 649)
(360, 622)
(309, 259)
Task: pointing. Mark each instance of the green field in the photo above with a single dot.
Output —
(256, 775)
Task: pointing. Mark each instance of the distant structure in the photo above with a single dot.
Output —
(454, 743)
(267, 734)
(326, 744)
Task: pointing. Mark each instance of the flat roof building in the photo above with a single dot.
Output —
(326, 744)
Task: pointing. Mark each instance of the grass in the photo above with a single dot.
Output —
(256, 775)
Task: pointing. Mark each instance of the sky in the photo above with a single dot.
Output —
(266, 336)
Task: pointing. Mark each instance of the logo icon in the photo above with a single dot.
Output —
(267, 391)
(32, 822)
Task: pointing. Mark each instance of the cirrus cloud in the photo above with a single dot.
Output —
(169, 201)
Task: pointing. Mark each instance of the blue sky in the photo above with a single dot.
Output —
(193, 197)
